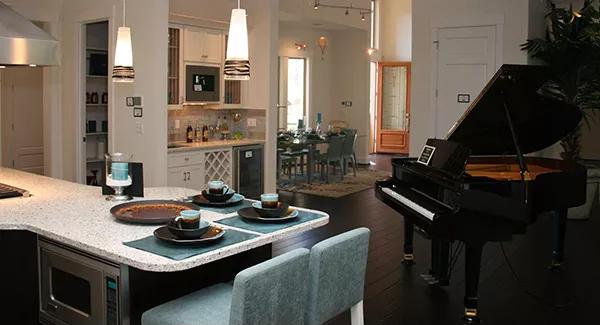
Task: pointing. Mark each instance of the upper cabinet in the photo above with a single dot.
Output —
(202, 45)
(174, 81)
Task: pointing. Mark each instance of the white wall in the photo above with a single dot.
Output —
(147, 19)
(430, 13)
(395, 29)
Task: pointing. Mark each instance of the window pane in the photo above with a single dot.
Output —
(295, 95)
(393, 108)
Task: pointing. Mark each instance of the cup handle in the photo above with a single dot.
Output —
(176, 221)
(225, 189)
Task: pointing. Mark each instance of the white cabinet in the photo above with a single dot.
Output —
(202, 45)
(186, 170)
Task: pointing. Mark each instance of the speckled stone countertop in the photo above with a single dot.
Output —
(186, 147)
(78, 216)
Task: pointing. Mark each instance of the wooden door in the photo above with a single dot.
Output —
(22, 119)
(393, 107)
(466, 61)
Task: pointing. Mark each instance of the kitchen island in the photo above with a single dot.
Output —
(78, 217)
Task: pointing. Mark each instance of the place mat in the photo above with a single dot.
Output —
(269, 227)
(175, 252)
(229, 209)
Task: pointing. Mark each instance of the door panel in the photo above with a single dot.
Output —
(22, 119)
(466, 60)
(393, 107)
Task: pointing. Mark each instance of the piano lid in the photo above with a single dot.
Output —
(539, 121)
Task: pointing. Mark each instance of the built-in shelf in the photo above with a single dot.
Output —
(96, 133)
(96, 76)
(96, 105)
(94, 161)
(96, 49)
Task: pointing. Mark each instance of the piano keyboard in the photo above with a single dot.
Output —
(404, 200)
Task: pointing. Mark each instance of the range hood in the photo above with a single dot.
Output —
(22, 42)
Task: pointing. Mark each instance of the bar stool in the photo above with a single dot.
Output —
(272, 292)
(337, 277)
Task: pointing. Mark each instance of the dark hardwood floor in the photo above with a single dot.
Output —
(396, 294)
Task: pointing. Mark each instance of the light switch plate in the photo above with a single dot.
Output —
(251, 122)
(138, 112)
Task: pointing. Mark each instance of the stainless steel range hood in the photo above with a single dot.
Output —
(22, 42)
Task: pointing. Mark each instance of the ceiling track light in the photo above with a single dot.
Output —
(347, 9)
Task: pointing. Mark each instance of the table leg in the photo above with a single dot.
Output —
(309, 164)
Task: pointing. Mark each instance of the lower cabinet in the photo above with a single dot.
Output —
(195, 169)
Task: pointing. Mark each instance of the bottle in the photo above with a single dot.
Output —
(205, 133)
(189, 133)
(224, 126)
(198, 132)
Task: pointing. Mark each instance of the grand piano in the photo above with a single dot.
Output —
(477, 185)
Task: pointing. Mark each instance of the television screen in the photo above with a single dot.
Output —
(203, 83)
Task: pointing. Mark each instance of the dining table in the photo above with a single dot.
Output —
(308, 142)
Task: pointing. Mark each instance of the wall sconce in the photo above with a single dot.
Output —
(300, 46)
(322, 43)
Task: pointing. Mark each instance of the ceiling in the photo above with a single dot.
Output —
(302, 13)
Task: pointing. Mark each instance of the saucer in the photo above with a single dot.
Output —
(201, 200)
(211, 235)
(250, 213)
(218, 197)
(183, 233)
(278, 212)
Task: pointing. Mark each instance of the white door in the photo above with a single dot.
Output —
(22, 119)
(466, 61)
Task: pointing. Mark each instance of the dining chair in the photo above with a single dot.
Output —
(333, 157)
(336, 282)
(270, 293)
(348, 151)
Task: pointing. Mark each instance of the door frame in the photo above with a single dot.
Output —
(464, 21)
(380, 66)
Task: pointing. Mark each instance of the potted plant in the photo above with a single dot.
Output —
(571, 49)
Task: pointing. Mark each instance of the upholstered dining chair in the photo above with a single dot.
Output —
(348, 154)
(270, 293)
(337, 277)
(333, 157)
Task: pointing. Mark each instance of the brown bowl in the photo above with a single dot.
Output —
(183, 233)
(212, 197)
(278, 212)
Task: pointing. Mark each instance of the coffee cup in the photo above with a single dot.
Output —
(188, 219)
(269, 200)
(217, 187)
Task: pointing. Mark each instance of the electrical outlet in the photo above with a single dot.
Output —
(347, 103)
(251, 122)
(139, 127)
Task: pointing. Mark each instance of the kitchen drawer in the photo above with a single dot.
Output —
(185, 159)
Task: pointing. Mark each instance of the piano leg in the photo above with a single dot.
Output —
(409, 229)
(472, 268)
(560, 228)
(440, 262)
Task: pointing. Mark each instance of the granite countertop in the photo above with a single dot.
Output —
(78, 215)
(186, 147)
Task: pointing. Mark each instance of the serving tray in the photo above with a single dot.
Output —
(150, 211)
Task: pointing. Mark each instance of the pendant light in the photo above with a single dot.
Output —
(237, 64)
(123, 65)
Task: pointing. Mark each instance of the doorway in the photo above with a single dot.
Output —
(393, 107)
(22, 122)
(292, 93)
(465, 60)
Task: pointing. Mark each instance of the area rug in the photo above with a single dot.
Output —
(365, 179)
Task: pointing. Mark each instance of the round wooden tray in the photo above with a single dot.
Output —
(150, 211)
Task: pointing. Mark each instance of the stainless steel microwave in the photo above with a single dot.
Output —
(77, 288)
(202, 83)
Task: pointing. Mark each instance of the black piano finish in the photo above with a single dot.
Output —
(508, 119)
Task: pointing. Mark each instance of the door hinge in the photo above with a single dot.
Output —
(13, 164)
(12, 126)
(436, 92)
(437, 44)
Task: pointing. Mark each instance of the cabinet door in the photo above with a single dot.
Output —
(212, 46)
(177, 177)
(193, 40)
(196, 177)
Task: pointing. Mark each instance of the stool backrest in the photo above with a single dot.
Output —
(273, 292)
(337, 275)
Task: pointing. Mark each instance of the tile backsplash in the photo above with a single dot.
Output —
(202, 116)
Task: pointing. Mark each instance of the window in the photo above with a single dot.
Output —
(292, 94)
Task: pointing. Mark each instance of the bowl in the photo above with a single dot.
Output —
(277, 212)
(218, 197)
(188, 233)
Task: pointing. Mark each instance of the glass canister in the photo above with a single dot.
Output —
(118, 175)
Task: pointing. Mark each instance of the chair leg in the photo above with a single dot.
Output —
(343, 170)
(327, 173)
(356, 314)
(354, 165)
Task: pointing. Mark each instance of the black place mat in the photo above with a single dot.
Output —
(176, 252)
(229, 209)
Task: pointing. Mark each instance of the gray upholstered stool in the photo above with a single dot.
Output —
(269, 293)
(337, 277)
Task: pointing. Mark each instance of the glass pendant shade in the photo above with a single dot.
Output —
(237, 64)
(123, 65)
